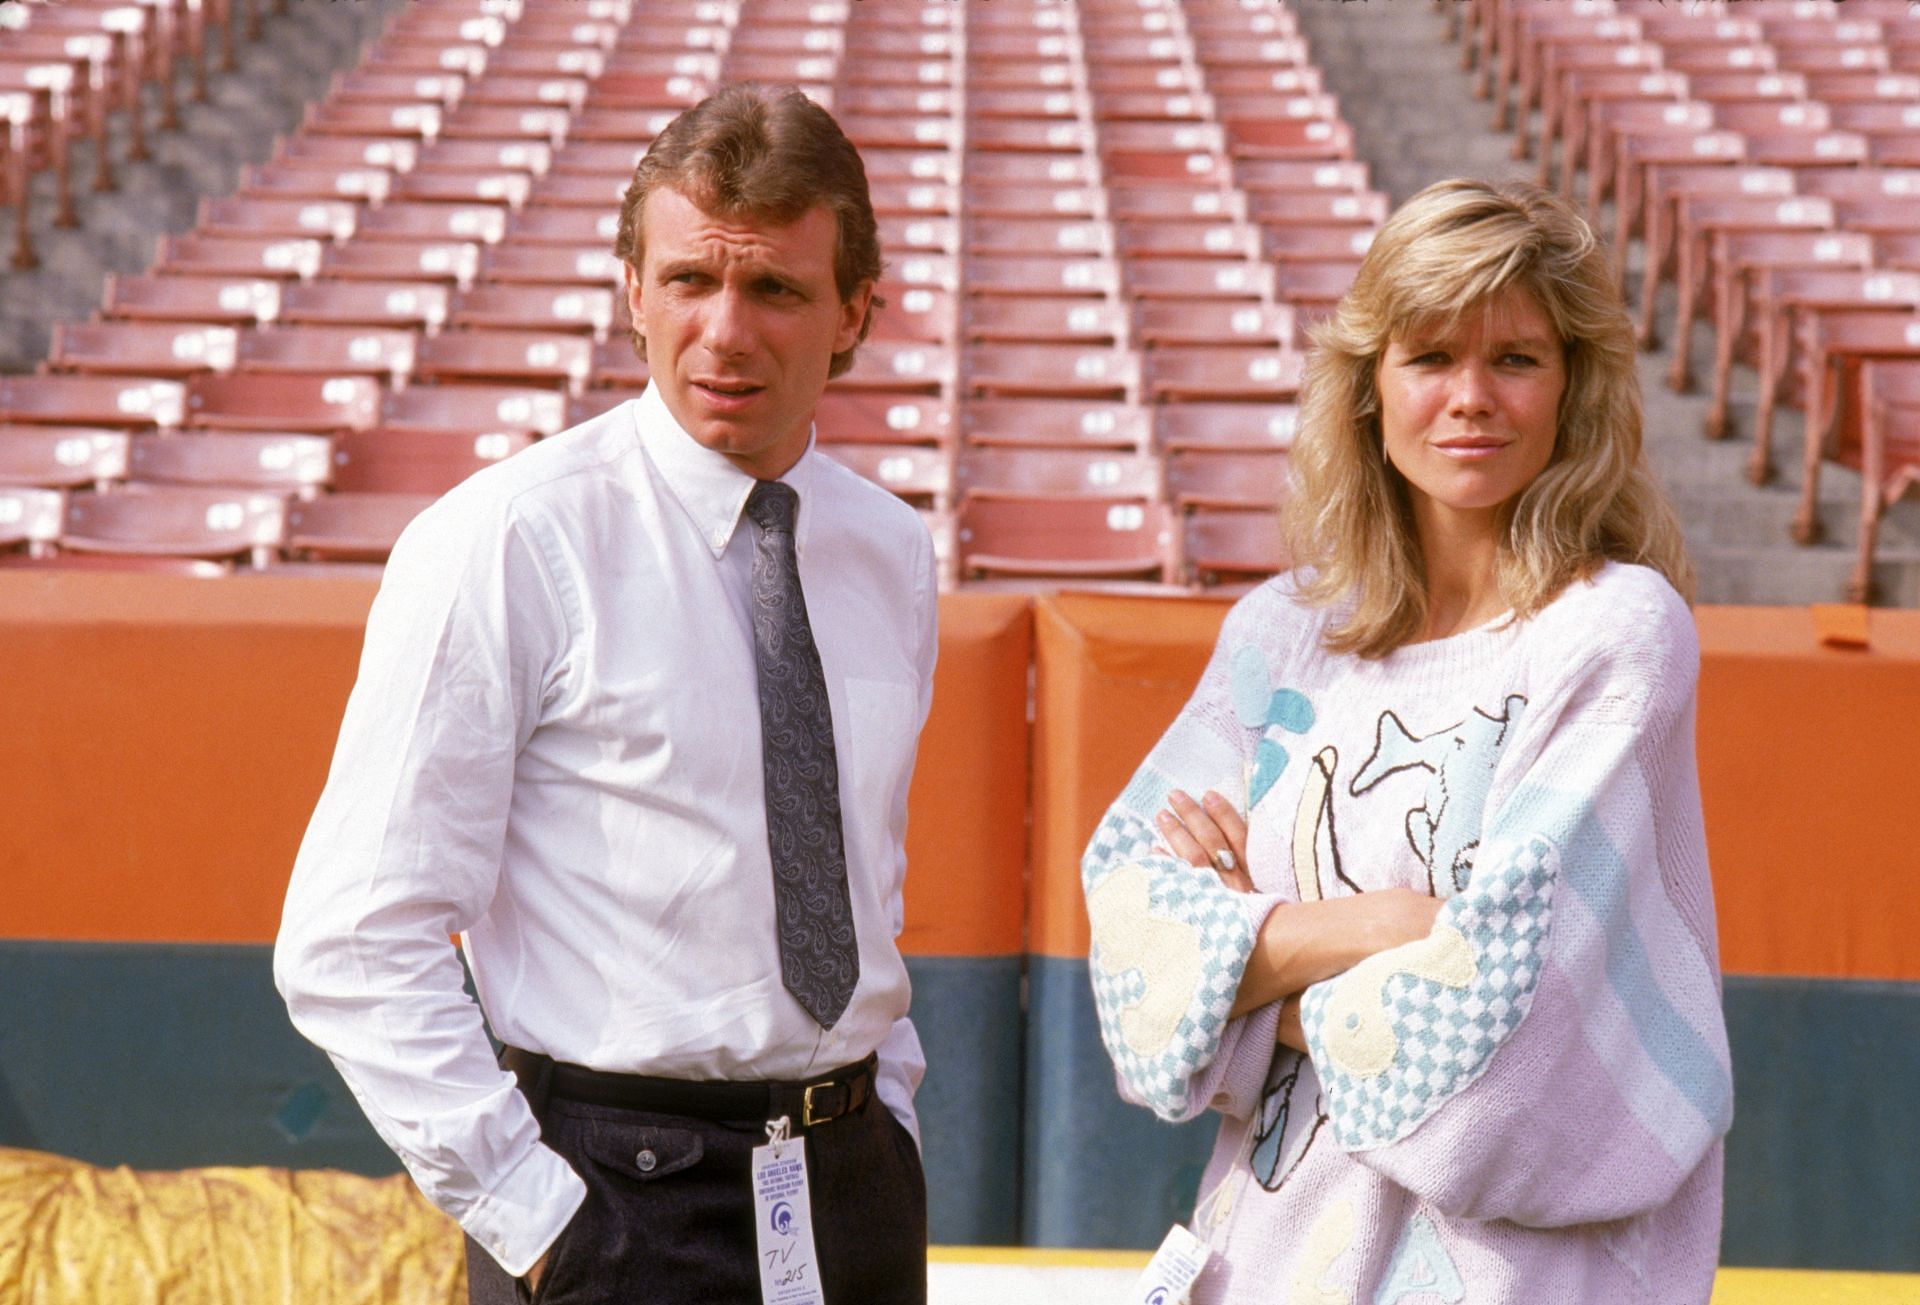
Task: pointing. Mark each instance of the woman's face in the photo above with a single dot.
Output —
(1469, 416)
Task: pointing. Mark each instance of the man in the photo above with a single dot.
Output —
(639, 726)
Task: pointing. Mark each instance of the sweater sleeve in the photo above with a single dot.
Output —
(1171, 941)
(1554, 1051)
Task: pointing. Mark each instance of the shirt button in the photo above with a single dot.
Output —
(645, 1161)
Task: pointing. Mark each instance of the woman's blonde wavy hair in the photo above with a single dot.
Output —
(1447, 251)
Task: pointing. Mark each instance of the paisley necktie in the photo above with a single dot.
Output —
(819, 961)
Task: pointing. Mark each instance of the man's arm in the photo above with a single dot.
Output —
(405, 849)
(902, 1062)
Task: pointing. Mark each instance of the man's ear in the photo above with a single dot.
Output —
(853, 313)
(631, 283)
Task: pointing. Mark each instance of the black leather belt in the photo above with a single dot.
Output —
(806, 1104)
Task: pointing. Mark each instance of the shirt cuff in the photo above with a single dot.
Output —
(522, 1216)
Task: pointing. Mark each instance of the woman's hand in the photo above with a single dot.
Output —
(1207, 833)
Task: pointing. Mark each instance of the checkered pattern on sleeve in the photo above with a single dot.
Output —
(1447, 1036)
(1226, 924)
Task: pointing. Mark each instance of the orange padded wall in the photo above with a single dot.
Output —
(165, 738)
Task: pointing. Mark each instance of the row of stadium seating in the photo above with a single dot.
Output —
(1107, 226)
(66, 69)
(1768, 158)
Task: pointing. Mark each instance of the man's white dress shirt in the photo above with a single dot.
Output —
(553, 750)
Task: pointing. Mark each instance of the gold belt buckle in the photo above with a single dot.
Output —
(807, 1117)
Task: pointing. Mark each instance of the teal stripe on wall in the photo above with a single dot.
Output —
(967, 1011)
(166, 1057)
(1823, 1163)
(170, 1057)
(1098, 1172)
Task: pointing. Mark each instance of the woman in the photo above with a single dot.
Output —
(1438, 938)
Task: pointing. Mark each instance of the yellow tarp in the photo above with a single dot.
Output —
(71, 1234)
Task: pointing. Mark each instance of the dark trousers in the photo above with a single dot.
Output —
(677, 1225)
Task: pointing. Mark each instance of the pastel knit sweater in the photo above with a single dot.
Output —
(1523, 1108)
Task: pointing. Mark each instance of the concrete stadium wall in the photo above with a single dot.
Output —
(164, 741)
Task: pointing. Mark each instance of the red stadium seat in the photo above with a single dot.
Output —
(345, 118)
(175, 522)
(534, 357)
(1000, 274)
(1698, 220)
(586, 309)
(383, 353)
(870, 417)
(1835, 346)
(286, 464)
(1059, 370)
(1070, 538)
(474, 409)
(131, 403)
(320, 404)
(1226, 479)
(438, 223)
(350, 527)
(899, 366)
(234, 216)
(1008, 320)
(592, 266)
(1227, 279)
(455, 263)
(492, 187)
(417, 461)
(917, 473)
(1174, 202)
(398, 304)
(1226, 427)
(1232, 549)
(919, 313)
(141, 348)
(1043, 237)
(1744, 260)
(1224, 372)
(1161, 322)
(235, 300)
(262, 256)
(1263, 175)
(1057, 423)
(1889, 457)
(1013, 472)
(62, 457)
(320, 180)
(540, 225)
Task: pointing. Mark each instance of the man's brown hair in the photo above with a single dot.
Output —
(767, 153)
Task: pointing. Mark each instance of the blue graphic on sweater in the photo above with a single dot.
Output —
(1260, 706)
(1421, 1269)
(1445, 829)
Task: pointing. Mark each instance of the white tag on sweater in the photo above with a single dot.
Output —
(1169, 1275)
(789, 1270)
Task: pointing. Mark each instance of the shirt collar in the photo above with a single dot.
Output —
(708, 486)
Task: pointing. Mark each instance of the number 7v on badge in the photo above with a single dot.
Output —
(789, 1274)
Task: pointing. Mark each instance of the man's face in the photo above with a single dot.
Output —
(741, 319)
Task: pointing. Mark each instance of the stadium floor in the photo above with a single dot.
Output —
(967, 1275)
